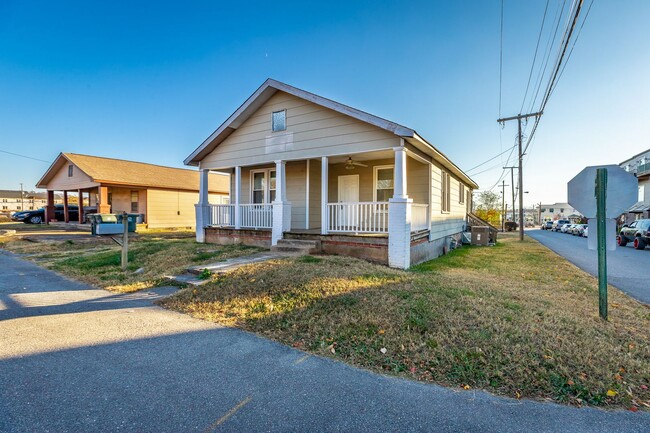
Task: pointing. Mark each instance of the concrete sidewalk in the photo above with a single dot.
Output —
(78, 359)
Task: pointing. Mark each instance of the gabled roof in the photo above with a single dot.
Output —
(122, 172)
(270, 87)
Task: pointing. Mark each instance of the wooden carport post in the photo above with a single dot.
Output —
(49, 209)
(80, 205)
(103, 206)
(66, 212)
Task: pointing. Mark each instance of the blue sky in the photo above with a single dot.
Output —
(148, 81)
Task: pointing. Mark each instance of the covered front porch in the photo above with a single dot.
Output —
(377, 196)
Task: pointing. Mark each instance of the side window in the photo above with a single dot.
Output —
(446, 188)
(461, 193)
(70, 170)
(134, 201)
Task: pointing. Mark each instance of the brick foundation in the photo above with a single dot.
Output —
(253, 238)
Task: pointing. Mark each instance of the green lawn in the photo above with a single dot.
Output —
(514, 319)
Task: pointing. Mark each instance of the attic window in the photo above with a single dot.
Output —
(70, 170)
(279, 120)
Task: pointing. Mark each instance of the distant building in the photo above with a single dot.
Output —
(13, 201)
(639, 166)
(558, 211)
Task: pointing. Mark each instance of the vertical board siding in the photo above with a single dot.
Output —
(171, 208)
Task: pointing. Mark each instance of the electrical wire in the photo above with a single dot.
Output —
(491, 159)
(501, 59)
(532, 67)
(24, 156)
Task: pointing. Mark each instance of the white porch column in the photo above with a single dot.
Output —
(399, 216)
(281, 207)
(237, 197)
(400, 172)
(203, 206)
(324, 223)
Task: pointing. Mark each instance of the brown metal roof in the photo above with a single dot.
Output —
(122, 172)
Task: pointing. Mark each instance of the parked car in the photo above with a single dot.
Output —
(565, 227)
(557, 225)
(638, 233)
(511, 225)
(579, 229)
(37, 216)
(547, 225)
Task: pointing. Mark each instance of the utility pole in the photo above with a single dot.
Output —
(521, 156)
(512, 182)
(539, 213)
(22, 198)
(503, 205)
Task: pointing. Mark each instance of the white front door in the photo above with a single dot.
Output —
(348, 193)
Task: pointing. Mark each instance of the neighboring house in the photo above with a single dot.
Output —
(165, 196)
(307, 168)
(559, 211)
(639, 165)
(14, 201)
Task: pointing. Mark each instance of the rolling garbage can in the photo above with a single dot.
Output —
(131, 220)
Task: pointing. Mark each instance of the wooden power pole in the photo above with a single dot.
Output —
(503, 205)
(512, 184)
(521, 173)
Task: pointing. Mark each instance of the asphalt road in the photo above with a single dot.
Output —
(78, 359)
(627, 268)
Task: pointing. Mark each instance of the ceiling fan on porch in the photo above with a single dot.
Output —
(350, 164)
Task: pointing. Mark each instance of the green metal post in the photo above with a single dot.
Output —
(601, 198)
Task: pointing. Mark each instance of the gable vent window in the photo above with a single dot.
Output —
(70, 170)
(279, 120)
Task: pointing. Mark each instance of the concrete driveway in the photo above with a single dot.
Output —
(77, 359)
(627, 268)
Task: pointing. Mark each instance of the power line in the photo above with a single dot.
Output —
(491, 159)
(532, 67)
(24, 156)
(501, 59)
(558, 67)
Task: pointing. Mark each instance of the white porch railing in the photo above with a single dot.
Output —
(222, 215)
(419, 217)
(257, 216)
(358, 217)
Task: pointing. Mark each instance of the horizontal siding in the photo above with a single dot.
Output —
(446, 223)
(315, 131)
(62, 182)
(315, 176)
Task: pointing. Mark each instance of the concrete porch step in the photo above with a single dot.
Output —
(297, 246)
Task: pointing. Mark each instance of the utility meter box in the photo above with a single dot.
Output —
(480, 235)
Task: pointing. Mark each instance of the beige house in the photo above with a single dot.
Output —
(165, 196)
(307, 169)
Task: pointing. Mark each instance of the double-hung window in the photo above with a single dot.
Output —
(384, 182)
(263, 186)
(461, 193)
(445, 192)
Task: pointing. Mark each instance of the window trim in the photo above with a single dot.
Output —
(285, 120)
(267, 184)
(445, 192)
(137, 202)
(375, 169)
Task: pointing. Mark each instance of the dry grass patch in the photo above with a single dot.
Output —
(98, 262)
(515, 319)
